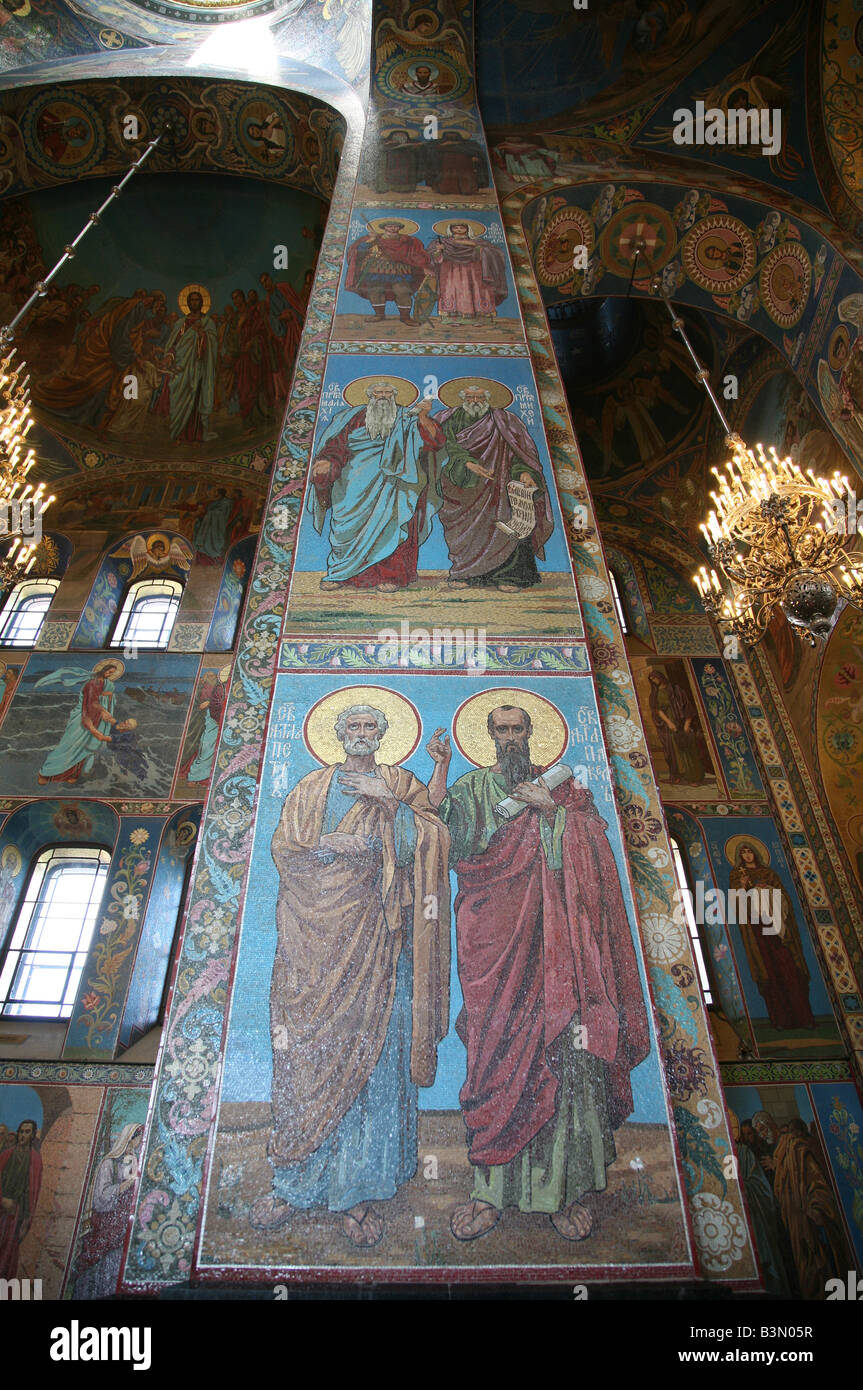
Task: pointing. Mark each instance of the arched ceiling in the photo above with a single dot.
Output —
(257, 166)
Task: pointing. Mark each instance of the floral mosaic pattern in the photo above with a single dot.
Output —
(96, 1018)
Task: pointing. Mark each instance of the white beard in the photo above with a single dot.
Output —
(380, 418)
(476, 410)
(361, 746)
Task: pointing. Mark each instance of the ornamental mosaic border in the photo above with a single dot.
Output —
(414, 349)
(78, 1073)
(768, 1073)
(501, 654)
(701, 1131)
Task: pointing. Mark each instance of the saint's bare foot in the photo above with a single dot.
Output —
(573, 1223)
(473, 1219)
(270, 1213)
(363, 1225)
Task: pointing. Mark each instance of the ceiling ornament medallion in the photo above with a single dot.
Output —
(63, 135)
(719, 254)
(644, 226)
(568, 229)
(784, 283)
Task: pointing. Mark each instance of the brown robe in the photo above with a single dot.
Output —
(339, 938)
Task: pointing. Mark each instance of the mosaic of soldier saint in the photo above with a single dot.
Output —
(554, 1018)
(458, 278)
(358, 999)
(386, 465)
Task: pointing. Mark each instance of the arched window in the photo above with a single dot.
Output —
(148, 613)
(50, 938)
(621, 611)
(685, 894)
(24, 612)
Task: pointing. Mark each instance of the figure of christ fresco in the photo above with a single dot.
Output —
(359, 991)
(377, 473)
(554, 1019)
(387, 264)
(774, 949)
(190, 356)
(492, 465)
(471, 275)
(91, 723)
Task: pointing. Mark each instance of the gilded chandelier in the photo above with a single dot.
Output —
(777, 534)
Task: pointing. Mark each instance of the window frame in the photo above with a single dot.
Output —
(119, 637)
(10, 609)
(101, 856)
(619, 608)
(699, 946)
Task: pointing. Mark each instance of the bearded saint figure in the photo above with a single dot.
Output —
(377, 474)
(359, 995)
(496, 513)
(553, 1019)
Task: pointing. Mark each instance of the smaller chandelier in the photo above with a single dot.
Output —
(22, 504)
(778, 535)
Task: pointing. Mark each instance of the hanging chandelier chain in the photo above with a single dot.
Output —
(7, 332)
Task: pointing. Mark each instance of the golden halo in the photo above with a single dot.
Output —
(109, 661)
(355, 391)
(841, 333)
(408, 227)
(732, 848)
(500, 396)
(475, 228)
(10, 860)
(397, 744)
(185, 833)
(470, 726)
(224, 674)
(157, 536)
(23, 10)
(183, 298)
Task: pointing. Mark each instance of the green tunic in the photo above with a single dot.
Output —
(570, 1154)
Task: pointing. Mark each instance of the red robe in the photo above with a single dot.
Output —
(536, 948)
(406, 253)
(10, 1222)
